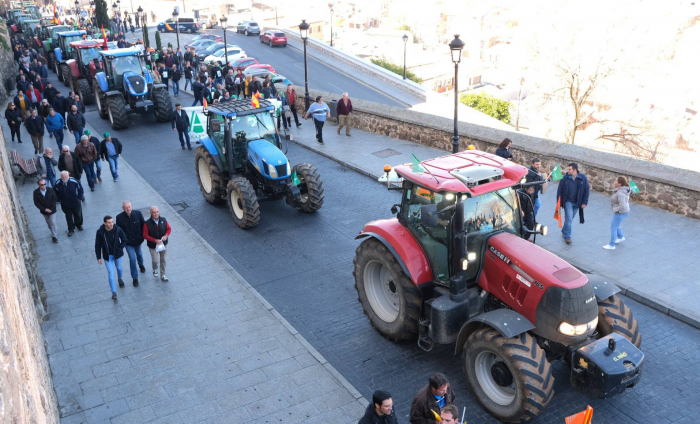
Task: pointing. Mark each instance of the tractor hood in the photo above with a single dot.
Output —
(135, 83)
(263, 154)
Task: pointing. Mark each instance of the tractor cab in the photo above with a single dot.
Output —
(63, 50)
(124, 68)
(87, 56)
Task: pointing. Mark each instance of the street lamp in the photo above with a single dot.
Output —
(456, 47)
(224, 21)
(304, 30)
(331, 26)
(405, 41)
(177, 26)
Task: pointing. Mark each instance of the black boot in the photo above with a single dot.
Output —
(136, 282)
(121, 283)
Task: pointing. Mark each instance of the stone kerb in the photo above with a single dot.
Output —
(662, 186)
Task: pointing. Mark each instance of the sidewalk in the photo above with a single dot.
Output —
(656, 265)
(203, 348)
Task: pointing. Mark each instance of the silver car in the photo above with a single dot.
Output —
(248, 27)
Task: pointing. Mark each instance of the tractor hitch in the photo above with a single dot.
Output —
(293, 197)
(606, 367)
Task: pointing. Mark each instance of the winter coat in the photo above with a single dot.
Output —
(43, 110)
(59, 105)
(18, 103)
(35, 125)
(50, 95)
(87, 153)
(424, 402)
(55, 123)
(80, 106)
(77, 164)
(98, 145)
(132, 227)
(620, 200)
(197, 88)
(45, 201)
(44, 168)
(105, 152)
(505, 153)
(583, 193)
(23, 86)
(76, 121)
(175, 75)
(371, 417)
(533, 177)
(188, 72)
(69, 193)
(102, 246)
(13, 116)
(181, 122)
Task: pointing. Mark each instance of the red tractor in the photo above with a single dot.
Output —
(454, 266)
(79, 71)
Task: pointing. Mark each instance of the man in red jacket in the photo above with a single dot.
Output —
(344, 109)
(156, 231)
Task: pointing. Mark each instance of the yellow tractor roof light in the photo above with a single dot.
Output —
(387, 168)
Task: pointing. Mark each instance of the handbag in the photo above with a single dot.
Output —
(287, 111)
(160, 247)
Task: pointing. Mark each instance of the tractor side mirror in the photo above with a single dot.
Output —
(428, 215)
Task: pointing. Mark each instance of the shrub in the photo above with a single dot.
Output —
(490, 105)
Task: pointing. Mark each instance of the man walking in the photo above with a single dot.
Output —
(572, 195)
(98, 146)
(156, 231)
(47, 167)
(76, 123)
(320, 112)
(45, 201)
(109, 244)
(291, 99)
(344, 110)
(59, 105)
(188, 72)
(381, 410)
(431, 398)
(69, 161)
(35, 128)
(54, 124)
(88, 155)
(111, 148)
(69, 192)
(132, 222)
(197, 92)
(534, 175)
(181, 123)
(175, 76)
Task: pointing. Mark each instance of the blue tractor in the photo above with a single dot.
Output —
(241, 162)
(125, 86)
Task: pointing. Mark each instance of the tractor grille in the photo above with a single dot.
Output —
(136, 83)
(514, 289)
(281, 170)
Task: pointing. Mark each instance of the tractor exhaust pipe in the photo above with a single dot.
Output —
(458, 282)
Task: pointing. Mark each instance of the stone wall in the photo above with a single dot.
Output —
(662, 186)
(8, 69)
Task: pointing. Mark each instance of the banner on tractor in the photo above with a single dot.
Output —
(198, 121)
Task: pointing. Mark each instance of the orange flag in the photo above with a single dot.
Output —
(584, 417)
(254, 101)
(204, 103)
(557, 213)
(104, 36)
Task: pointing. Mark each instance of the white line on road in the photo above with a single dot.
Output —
(336, 86)
(297, 66)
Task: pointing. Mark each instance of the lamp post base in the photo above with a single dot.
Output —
(455, 144)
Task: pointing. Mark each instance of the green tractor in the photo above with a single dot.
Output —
(241, 162)
(49, 40)
(125, 86)
(63, 51)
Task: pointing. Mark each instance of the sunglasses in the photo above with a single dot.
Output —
(42, 185)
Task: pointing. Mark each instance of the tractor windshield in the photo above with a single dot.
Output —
(68, 40)
(123, 64)
(493, 211)
(88, 54)
(255, 126)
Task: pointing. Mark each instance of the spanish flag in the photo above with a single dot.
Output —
(204, 103)
(104, 35)
(584, 417)
(254, 101)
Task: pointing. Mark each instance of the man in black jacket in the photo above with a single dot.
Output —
(111, 148)
(380, 411)
(76, 123)
(69, 192)
(70, 162)
(527, 209)
(175, 75)
(45, 200)
(188, 73)
(98, 146)
(50, 93)
(59, 105)
(534, 175)
(109, 244)
(35, 128)
(181, 123)
(131, 222)
(431, 398)
(197, 89)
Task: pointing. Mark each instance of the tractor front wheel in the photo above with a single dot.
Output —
(100, 101)
(388, 297)
(243, 202)
(162, 105)
(208, 176)
(85, 91)
(67, 77)
(511, 378)
(50, 59)
(116, 110)
(57, 70)
(615, 317)
(310, 186)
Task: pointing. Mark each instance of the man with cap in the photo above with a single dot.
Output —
(98, 146)
(181, 122)
(111, 148)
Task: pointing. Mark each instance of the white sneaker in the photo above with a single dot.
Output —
(619, 240)
(608, 247)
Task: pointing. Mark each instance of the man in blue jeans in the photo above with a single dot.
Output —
(573, 194)
(109, 245)
(131, 222)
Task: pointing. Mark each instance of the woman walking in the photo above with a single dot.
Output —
(14, 120)
(621, 209)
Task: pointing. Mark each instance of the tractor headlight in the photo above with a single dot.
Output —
(289, 169)
(471, 256)
(576, 330)
(271, 171)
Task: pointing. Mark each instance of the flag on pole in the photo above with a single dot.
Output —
(204, 103)
(104, 35)
(416, 165)
(584, 417)
(634, 187)
(295, 179)
(556, 174)
(557, 212)
(254, 100)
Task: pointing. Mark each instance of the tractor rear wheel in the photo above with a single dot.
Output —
(85, 91)
(100, 101)
(615, 317)
(511, 378)
(243, 202)
(208, 176)
(67, 77)
(50, 60)
(388, 297)
(162, 105)
(116, 110)
(57, 70)
(310, 186)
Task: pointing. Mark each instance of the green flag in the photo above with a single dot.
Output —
(634, 187)
(556, 174)
(416, 165)
(295, 179)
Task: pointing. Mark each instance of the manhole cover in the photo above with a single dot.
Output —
(386, 153)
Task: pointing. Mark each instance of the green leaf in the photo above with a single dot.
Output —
(490, 105)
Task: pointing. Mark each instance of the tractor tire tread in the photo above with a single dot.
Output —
(217, 183)
(115, 105)
(162, 104)
(103, 101)
(251, 207)
(314, 187)
(67, 77)
(615, 317)
(86, 92)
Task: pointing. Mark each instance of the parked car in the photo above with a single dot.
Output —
(200, 44)
(274, 38)
(234, 52)
(214, 37)
(243, 63)
(279, 81)
(209, 50)
(186, 25)
(248, 27)
(262, 66)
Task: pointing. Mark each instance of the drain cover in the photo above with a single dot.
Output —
(179, 207)
(386, 153)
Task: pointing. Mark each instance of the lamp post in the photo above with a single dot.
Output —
(456, 47)
(224, 21)
(304, 30)
(177, 26)
(405, 41)
(331, 26)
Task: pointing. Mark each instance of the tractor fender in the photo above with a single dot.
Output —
(73, 66)
(58, 53)
(403, 246)
(506, 321)
(602, 287)
(113, 93)
(211, 148)
(147, 75)
(159, 85)
(102, 81)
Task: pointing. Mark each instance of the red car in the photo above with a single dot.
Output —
(243, 63)
(263, 66)
(274, 38)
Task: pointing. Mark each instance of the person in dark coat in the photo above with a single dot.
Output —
(76, 123)
(111, 148)
(45, 200)
(44, 108)
(59, 105)
(109, 245)
(181, 123)
(431, 398)
(527, 209)
(175, 75)
(23, 104)
(503, 149)
(534, 175)
(197, 88)
(14, 120)
(50, 93)
(572, 195)
(69, 161)
(132, 222)
(78, 104)
(98, 146)
(380, 411)
(35, 128)
(188, 72)
(23, 84)
(69, 192)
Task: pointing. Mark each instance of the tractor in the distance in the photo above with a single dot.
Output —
(49, 39)
(79, 71)
(241, 162)
(125, 86)
(454, 266)
(62, 51)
